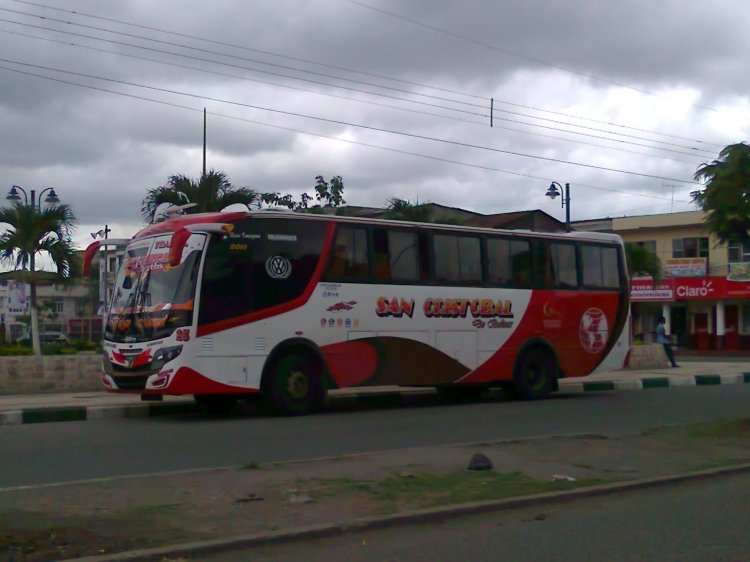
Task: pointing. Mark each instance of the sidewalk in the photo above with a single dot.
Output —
(80, 406)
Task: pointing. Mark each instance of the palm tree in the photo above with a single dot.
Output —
(31, 231)
(212, 192)
(726, 197)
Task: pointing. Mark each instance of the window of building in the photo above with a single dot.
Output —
(349, 257)
(739, 251)
(458, 259)
(57, 305)
(649, 245)
(690, 247)
(600, 267)
(509, 262)
(746, 318)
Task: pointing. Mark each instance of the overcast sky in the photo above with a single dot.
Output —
(584, 91)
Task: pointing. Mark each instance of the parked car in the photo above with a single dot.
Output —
(57, 337)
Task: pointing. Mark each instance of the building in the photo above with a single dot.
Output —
(705, 291)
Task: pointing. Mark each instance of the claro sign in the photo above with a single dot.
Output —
(687, 288)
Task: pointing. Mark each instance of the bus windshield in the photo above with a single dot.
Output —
(151, 298)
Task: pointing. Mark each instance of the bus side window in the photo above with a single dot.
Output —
(564, 265)
(600, 267)
(397, 256)
(458, 259)
(520, 263)
(349, 258)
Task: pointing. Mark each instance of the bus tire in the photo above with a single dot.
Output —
(535, 373)
(216, 404)
(294, 383)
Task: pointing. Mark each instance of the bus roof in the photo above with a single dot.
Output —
(176, 223)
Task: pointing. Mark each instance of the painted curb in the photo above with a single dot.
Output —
(327, 530)
(384, 399)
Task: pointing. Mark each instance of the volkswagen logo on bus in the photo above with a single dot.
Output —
(278, 267)
(593, 330)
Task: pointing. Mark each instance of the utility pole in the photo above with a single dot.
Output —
(204, 143)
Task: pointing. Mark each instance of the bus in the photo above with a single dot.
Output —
(287, 306)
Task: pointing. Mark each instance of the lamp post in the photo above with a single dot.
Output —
(32, 201)
(554, 190)
(104, 233)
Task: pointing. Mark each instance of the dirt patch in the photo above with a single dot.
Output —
(55, 523)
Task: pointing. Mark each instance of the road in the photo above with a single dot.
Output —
(55, 452)
(692, 522)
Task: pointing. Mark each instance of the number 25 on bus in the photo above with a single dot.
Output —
(287, 306)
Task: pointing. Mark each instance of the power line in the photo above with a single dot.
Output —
(318, 135)
(386, 96)
(337, 77)
(346, 123)
(514, 53)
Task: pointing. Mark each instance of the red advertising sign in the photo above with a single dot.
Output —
(687, 288)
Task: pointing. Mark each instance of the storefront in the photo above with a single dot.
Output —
(706, 312)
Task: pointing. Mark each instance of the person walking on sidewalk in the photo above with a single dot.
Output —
(661, 337)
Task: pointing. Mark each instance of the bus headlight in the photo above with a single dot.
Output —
(165, 355)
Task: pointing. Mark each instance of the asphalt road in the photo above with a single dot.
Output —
(55, 452)
(691, 522)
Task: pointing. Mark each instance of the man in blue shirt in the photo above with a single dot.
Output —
(661, 337)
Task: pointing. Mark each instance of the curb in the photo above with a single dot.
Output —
(327, 530)
(384, 399)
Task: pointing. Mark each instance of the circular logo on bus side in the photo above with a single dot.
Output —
(593, 331)
(278, 267)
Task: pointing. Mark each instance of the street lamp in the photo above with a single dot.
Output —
(104, 233)
(554, 190)
(51, 199)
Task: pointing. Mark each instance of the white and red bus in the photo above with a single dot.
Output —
(227, 305)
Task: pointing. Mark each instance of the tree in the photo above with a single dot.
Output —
(327, 194)
(726, 197)
(404, 210)
(31, 231)
(642, 261)
(212, 192)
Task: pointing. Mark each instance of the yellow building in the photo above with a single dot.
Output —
(705, 292)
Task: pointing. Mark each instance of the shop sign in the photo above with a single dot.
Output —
(699, 288)
(739, 271)
(642, 290)
(685, 267)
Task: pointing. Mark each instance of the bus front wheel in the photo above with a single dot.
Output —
(535, 374)
(294, 384)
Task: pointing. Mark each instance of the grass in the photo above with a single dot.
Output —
(253, 465)
(459, 486)
(722, 429)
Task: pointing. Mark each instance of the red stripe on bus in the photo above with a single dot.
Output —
(208, 329)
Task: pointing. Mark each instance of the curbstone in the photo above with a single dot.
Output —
(629, 385)
(365, 399)
(11, 417)
(682, 381)
(571, 388)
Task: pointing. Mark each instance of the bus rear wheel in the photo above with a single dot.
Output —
(294, 384)
(535, 374)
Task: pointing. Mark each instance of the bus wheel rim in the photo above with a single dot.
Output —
(298, 385)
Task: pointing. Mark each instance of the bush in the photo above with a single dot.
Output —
(7, 350)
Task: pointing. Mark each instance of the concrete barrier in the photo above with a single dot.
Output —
(651, 356)
(26, 374)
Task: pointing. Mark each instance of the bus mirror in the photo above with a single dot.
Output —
(177, 245)
(127, 283)
(88, 257)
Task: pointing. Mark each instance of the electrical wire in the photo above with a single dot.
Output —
(317, 135)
